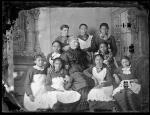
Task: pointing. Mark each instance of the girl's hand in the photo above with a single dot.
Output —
(66, 78)
(32, 98)
(106, 62)
(135, 80)
(65, 48)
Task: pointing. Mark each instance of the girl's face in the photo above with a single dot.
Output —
(104, 30)
(103, 48)
(39, 61)
(83, 30)
(73, 44)
(98, 61)
(64, 31)
(57, 65)
(56, 47)
(125, 62)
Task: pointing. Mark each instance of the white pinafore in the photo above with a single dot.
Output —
(64, 96)
(43, 98)
(85, 44)
(103, 93)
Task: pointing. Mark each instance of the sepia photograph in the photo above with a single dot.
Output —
(90, 57)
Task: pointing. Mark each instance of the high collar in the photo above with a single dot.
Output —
(99, 34)
(38, 68)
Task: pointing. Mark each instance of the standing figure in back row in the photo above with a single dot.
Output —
(63, 38)
(85, 40)
(103, 35)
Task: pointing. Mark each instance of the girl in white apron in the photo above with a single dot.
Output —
(36, 96)
(85, 40)
(102, 92)
(58, 84)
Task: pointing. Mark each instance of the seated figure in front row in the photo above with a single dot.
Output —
(127, 92)
(43, 92)
(76, 61)
(58, 83)
(100, 96)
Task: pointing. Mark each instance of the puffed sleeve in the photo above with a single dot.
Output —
(108, 78)
(28, 81)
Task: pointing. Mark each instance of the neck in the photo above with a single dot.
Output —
(38, 67)
(57, 70)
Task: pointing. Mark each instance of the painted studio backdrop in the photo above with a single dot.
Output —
(36, 29)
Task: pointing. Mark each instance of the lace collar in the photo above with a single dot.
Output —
(38, 68)
(127, 70)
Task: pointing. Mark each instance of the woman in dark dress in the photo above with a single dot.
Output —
(75, 61)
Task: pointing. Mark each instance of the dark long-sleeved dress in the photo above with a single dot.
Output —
(76, 59)
(77, 62)
(111, 41)
(127, 96)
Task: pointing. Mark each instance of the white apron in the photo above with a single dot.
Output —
(103, 93)
(85, 44)
(43, 99)
(64, 96)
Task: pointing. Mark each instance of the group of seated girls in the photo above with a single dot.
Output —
(80, 75)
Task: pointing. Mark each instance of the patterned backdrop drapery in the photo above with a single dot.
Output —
(25, 33)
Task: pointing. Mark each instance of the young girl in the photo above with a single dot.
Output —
(102, 92)
(85, 40)
(57, 51)
(58, 82)
(102, 35)
(36, 96)
(63, 38)
(128, 86)
(108, 57)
